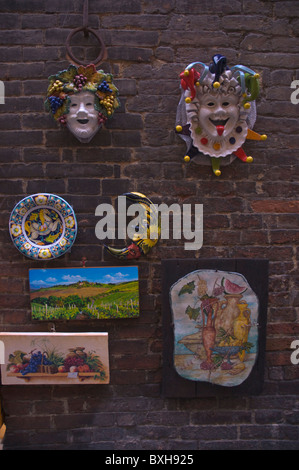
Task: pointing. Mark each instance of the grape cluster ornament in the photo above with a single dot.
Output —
(217, 111)
(82, 99)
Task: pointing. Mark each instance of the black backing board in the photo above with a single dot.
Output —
(256, 273)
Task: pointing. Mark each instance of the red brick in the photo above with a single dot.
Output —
(275, 206)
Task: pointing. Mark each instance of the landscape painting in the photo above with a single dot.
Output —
(55, 358)
(95, 293)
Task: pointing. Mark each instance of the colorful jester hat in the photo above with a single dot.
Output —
(217, 111)
(82, 99)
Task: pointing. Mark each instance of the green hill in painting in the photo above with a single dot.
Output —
(86, 300)
(84, 289)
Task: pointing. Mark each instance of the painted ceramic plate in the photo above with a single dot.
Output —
(43, 226)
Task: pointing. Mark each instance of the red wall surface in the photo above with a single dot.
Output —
(251, 211)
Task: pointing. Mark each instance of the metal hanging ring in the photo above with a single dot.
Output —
(102, 55)
(85, 18)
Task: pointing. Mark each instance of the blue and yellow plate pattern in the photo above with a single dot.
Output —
(43, 226)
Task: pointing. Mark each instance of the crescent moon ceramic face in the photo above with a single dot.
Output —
(82, 119)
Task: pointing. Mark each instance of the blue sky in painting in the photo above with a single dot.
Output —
(52, 277)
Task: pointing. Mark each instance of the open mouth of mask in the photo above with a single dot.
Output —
(219, 122)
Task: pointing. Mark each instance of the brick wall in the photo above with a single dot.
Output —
(251, 211)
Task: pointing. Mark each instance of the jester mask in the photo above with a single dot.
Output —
(217, 111)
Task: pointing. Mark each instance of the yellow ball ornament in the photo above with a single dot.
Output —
(186, 158)
(188, 100)
(249, 160)
(216, 84)
(247, 105)
(179, 128)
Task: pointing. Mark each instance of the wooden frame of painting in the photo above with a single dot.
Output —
(186, 355)
(95, 293)
(55, 358)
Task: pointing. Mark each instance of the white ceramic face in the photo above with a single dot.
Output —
(218, 112)
(82, 119)
(217, 122)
